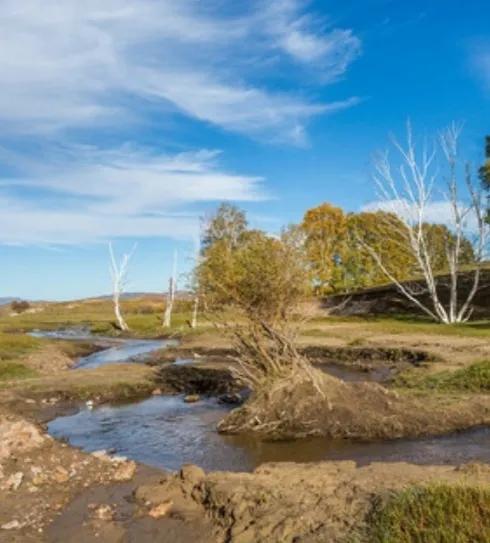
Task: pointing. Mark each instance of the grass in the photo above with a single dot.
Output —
(435, 514)
(111, 382)
(142, 315)
(16, 345)
(474, 378)
(401, 325)
(13, 370)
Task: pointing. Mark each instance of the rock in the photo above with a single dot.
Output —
(12, 525)
(14, 481)
(102, 455)
(230, 399)
(125, 471)
(89, 404)
(192, 398)
(17, 436)
(102, 512)
(161, 510)
(157, 392)
(118, 459)
(61, 475)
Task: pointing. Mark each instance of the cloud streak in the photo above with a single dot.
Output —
(90, 195)
(75, 64)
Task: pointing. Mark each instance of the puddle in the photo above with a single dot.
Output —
(352, 374)
(166, 432)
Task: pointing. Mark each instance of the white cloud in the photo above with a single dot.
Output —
(480, 61)
(89, 195)
(437, 211)
(75, 64)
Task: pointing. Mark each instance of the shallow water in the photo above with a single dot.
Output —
(130, 350)
(166, 432)
(352, 374)
(118, 349)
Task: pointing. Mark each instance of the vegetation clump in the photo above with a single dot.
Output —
(14, 370)
(474, 378)
(432, 514)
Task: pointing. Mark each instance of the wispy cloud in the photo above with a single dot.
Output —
(480, 61)
(75, 64)
(76, 71)
(88, 195)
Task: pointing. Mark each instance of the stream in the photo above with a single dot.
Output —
(165, 431)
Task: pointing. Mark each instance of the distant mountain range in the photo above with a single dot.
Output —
(127, 296)
(8, 300)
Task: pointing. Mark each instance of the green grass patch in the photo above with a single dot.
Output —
(16, 345)
(402, 324)
(474, 378)
(13, 370)
(434, 514)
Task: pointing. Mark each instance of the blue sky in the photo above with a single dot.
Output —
(126, 120)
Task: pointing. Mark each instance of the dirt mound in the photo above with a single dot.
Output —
(287, 502)
(294, 408)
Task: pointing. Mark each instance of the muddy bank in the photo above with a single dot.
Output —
(295, 408)
(286, 503)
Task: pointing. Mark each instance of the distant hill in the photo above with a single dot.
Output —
(8, 300)
(387, 299)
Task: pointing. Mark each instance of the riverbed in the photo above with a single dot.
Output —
(165, 431)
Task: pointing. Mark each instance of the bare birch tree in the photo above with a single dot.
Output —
(172, 288)
(407, 189)
(119, 273)
(195, 301)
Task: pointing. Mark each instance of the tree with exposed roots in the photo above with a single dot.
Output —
(407, 187)
(119, 273)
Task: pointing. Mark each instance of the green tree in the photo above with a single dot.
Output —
(227, 225)
(385, 233)
(325, 228)
(439, 239)
(485, 175)
(262, 275)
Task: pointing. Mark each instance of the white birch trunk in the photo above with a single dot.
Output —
(407, 192)
(172, 287)
(119, 279)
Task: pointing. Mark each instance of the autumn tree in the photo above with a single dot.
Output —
(382, 231)
(484, 173)
(325, 228)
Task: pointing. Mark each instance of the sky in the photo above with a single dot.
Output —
(127, 120)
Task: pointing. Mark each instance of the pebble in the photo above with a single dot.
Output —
(191, 398)
(14, 481)
(12, 525)
(161, 510)
(125, 471)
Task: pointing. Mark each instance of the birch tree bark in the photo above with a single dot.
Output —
(172, 287)
(407, 189)
(119, 273)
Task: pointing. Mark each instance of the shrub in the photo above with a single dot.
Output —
(19, 306)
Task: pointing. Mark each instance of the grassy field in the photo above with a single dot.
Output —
(433, 514)
(401, 325)
(143, 315)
